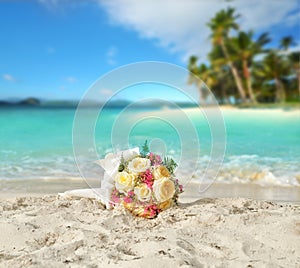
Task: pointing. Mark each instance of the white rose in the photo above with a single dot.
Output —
(124, 181)
(139, 164)
(142, 192)
(163, 189)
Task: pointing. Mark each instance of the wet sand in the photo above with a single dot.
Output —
(193, 191)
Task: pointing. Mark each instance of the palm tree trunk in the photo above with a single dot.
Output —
(235, 74)
(280, 92)
(201, 99)
(298, 75)
(223, 93)
(248, 81)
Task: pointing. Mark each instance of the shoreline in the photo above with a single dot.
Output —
(273, 193)
(226, 108)
(193, 191)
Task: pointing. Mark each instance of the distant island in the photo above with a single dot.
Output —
(32, 102)
(24, 102)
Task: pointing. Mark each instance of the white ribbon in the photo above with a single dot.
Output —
(110, 164)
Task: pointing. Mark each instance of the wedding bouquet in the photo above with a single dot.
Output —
(144, 183)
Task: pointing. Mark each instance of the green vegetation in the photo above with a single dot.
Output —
(123, 164)
(145, 149)
(240, 67)
(170, 164)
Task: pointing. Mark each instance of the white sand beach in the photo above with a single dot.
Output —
(55, 231)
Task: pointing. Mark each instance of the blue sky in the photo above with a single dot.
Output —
(55, 49)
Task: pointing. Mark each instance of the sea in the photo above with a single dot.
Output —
(260, 146)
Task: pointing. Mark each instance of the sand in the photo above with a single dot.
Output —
(54, 231)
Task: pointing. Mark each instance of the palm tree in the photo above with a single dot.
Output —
(220, 25)
(286, 42)
(245, 49)
(294, 59)
(274, 68)
(200, 74)
(222, 75)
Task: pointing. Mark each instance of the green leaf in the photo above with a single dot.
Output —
(145, 149)
(170, 164)
(122, 165)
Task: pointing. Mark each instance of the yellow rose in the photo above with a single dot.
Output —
(139, 164)
(161, 172)
(165, 205)
(124, 181)
(163, 189)
(142, 192)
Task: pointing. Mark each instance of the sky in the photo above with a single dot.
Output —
(56, 49)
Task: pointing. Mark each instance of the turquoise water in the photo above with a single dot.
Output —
(261, 146)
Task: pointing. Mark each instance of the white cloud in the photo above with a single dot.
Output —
(71, 79)
(180, 26)
(9, 77)
(293, 19)
(111, 55)
(261, 15)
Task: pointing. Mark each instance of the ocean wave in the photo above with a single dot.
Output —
(245, 169)
(235, 169)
